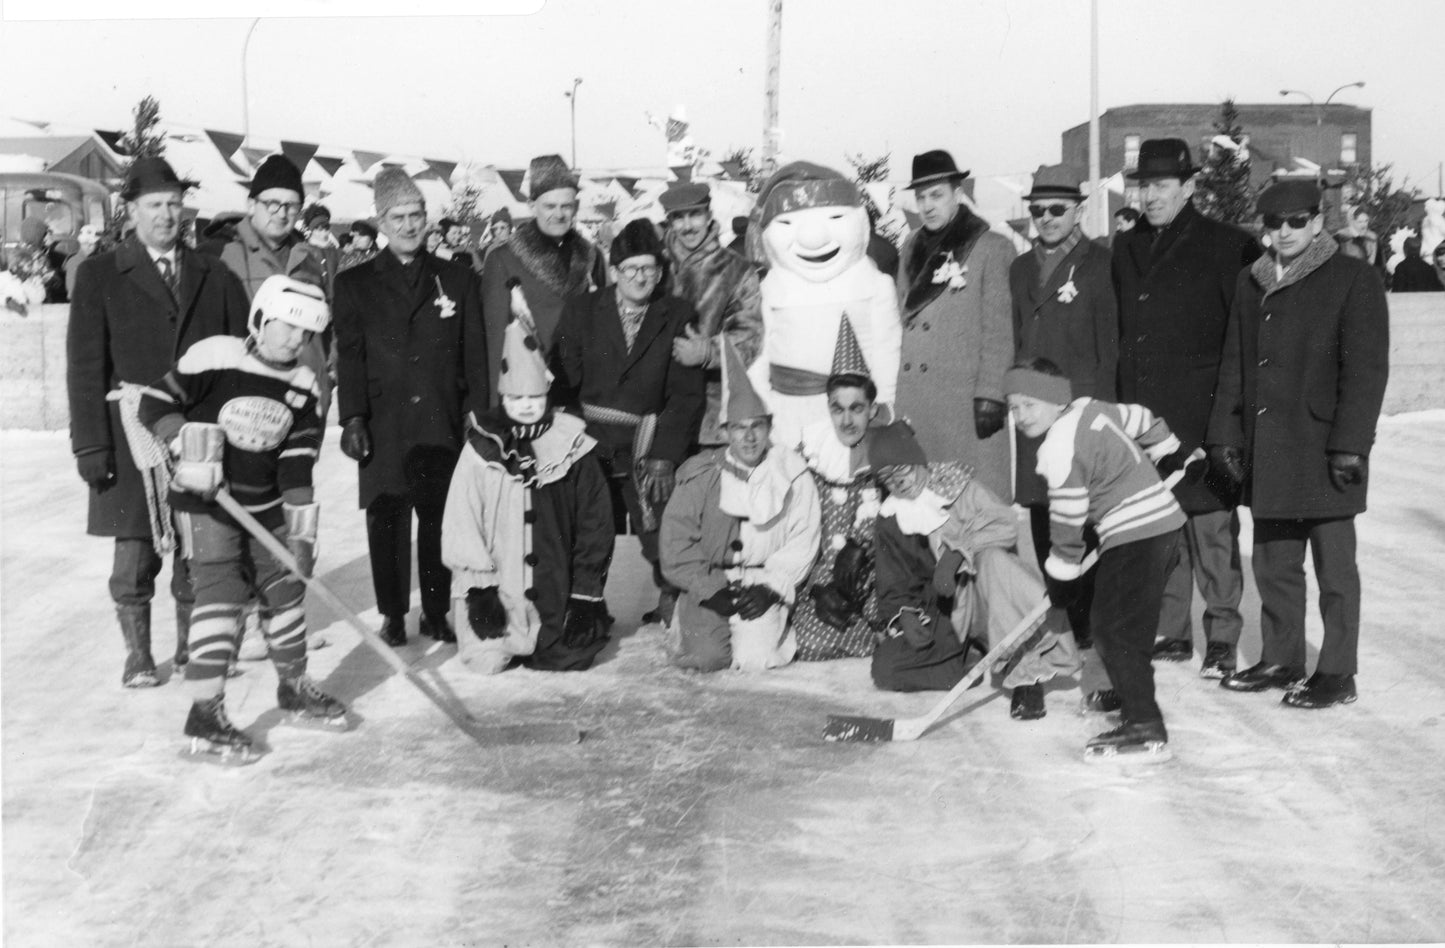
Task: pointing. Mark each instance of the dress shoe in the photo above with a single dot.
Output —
(1322, 691)
(1027, 703)
(1262, 676)
(437, 627)
(1218, 660)
(393, 630)
(1101, 702)
(1173, 650)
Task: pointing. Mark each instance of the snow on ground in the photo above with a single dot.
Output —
(703, 810)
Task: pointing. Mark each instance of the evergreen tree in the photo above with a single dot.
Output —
(866, 171)
(1222, 189)
(145, 139)
(742, 158)
(1372, 188)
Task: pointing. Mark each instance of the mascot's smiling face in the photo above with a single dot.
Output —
(817, 243)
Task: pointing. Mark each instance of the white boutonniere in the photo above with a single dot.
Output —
(1068, 291)
(446, 306)
(951, 272)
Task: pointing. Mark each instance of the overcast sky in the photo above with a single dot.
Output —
(994, 81)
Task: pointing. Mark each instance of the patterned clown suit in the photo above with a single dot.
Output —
(273, 433)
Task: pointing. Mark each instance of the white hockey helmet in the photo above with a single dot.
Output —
(292, 301)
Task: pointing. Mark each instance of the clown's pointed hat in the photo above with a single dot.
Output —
(523, 371)
(847, 354)
(740, 400)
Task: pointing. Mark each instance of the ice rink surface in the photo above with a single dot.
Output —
(704, 810)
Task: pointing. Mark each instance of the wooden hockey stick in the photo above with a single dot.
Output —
(854, 729)
(486, 736)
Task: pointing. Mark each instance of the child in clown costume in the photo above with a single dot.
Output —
(527, 531)
(814, 232)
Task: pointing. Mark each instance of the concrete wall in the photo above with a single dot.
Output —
(32, 362)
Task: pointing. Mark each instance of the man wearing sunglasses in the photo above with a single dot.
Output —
(1305, 362)
(1064, 311)
(1175, 275)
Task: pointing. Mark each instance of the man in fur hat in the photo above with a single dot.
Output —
(1306, 358)
(1175, 276)
(135, 310)
(528, 530)
(613, 358)
(954, 301)
(412, 360)
(544, 263)
(720, 285)
(738, 538)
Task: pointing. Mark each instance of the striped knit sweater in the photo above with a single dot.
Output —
(1098, 460)
(273, 433)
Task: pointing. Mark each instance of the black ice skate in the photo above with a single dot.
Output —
(307, 706)
(1145, 742)
(214, 739)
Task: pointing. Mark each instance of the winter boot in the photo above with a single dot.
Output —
(308, 706)
(212, 733)
(135, 626)
(1027, 703)
(393, 630)
(1218, 661)
(1173, 650)
(1142, 741)
(1322, 691)
(437, 627)
(183, 635)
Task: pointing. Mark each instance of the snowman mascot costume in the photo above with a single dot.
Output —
(814, 232)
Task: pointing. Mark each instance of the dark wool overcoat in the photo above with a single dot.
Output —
(126, 327)
(412, 361)
(593, 365)
(1080, 336)
(1304, 374)
(1174, 298)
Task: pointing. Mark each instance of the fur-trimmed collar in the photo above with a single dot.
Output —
(563, 266)
(930, 251)
(1266, 273)
(682, 257)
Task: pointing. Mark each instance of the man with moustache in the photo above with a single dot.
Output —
(135, 310)
(1175, 276)
(412, 361)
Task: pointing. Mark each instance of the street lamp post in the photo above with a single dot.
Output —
(1320, 114)
(246, 86)
(572, 94)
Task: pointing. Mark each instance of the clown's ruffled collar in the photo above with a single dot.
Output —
(921, 515)
(537, 453)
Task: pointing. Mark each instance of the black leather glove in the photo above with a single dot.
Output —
(485, 613)
(945, 574)
(585, 624)
(833, 607)
(1227, 463)
(1348, 470)
(356, 439)
(723, 602)
(988, 417)
(913, 629)
(753, 601)
(97, 468)
(850, 572)
(658, 479)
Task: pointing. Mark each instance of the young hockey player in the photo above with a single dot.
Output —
(527, 531)
(1096, 458)
(242, 413)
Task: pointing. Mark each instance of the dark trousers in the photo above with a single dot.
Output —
(134, 569)
(1209, 558)
(1128, 590)
(626, 505)
(1279, 555)
(1075, 597)
(388, 540)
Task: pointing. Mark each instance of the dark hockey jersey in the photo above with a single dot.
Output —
(269, 415)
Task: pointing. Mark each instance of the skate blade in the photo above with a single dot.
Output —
(304, 722)
(1154, 752)
(201, 751)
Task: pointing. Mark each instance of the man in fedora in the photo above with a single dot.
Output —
(135, 310)
(953, 290)
(1175, 276)
(542, 265)
(720, 285)
(1064, 311)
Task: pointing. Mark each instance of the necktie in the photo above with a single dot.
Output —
(168, 274)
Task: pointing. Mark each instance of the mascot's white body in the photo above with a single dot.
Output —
(819, 271)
